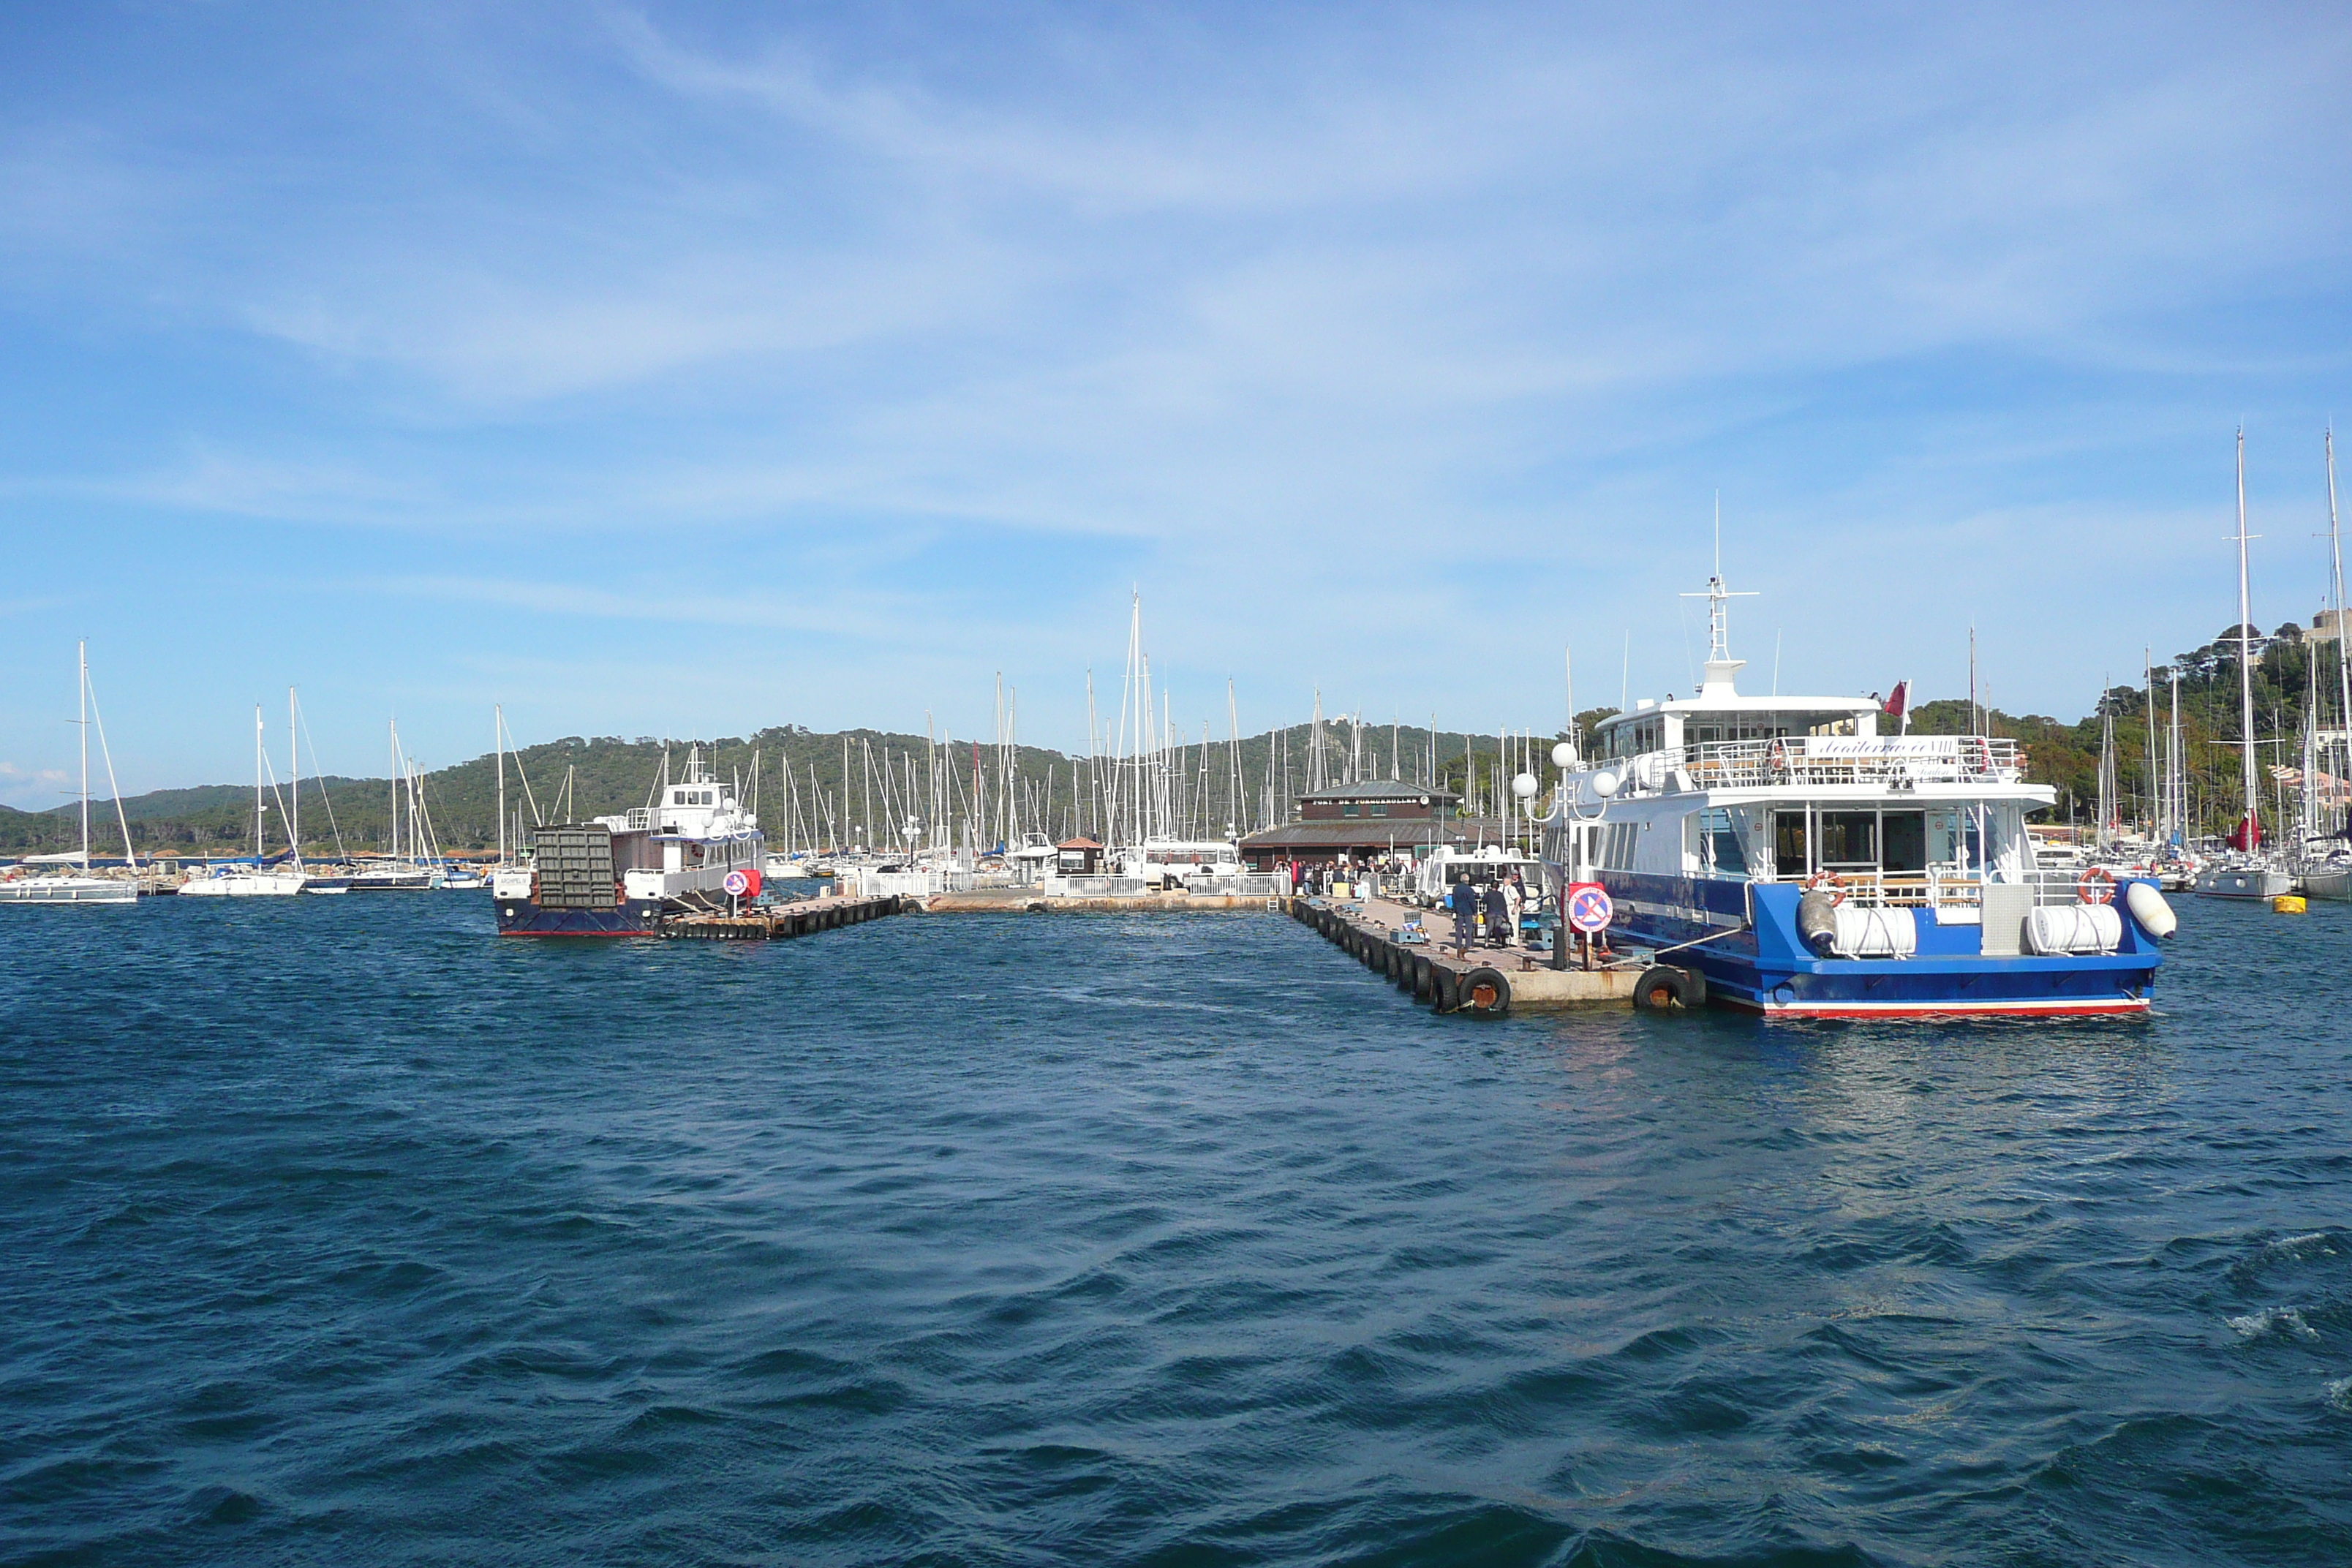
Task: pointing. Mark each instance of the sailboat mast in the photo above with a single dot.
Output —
(2177, 782)
(2245, 665)
(2335, 560)
(83, 657)
(499, 740)
(294, 776)
(256, 782)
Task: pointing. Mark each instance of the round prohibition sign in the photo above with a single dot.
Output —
(736, 883)
(1589, 908)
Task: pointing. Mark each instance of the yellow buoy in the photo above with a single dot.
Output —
(2287, 904)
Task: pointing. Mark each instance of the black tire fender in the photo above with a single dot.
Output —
(1663, 988)
(1486, 992)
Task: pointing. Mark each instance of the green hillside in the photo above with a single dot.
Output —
(828, 804)
(825, 804)
(2066, 755)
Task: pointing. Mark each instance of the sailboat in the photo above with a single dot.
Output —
(263, 879)
(2245, 872)
(2331, 877)
(410, 864)
(80, 888)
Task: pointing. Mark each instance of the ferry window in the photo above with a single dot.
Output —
(1789, 861)
(1848, 838)
(1903, 838)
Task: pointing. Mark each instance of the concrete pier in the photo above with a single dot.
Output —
(774, 922)
(1485, 982)
(1020, 899)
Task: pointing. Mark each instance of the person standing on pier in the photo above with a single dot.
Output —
(1464, 902)
(1499, 914)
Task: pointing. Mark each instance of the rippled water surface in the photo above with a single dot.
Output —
(338, 1230)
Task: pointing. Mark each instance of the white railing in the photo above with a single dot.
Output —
(1837, 760)
(1241, 885)
(1938, 887)
(1096, 887)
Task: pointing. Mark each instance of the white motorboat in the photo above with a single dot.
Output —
(2244, 877)
(68, 888)
(244, 882)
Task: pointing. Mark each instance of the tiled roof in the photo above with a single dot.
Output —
(1381, 789)
(1374, 833)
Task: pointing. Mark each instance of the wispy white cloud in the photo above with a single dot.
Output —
(1369, 309)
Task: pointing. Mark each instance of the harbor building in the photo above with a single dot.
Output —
(1371, 817)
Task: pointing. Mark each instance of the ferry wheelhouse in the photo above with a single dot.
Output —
(1807, 866)
(618, 876)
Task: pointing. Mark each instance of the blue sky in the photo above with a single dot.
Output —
(682, 369)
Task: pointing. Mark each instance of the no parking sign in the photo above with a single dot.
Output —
(1589, 908)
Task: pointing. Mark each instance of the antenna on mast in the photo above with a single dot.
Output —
(1720, 666)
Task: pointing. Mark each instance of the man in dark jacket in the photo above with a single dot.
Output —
(1498, 916)
(1463, 901)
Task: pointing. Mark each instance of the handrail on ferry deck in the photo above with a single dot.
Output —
(1938, 888)
(1752, 765)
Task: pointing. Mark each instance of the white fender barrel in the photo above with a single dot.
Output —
(2073, 928)
(1873, 933)
(2149, 908)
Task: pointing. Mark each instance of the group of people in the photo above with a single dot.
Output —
(1318, 879)
(1501, 901)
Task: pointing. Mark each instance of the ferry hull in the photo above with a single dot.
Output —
(1754, 960)
(521, 917)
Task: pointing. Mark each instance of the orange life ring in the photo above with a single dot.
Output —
(1829, 880)
(2096, 886)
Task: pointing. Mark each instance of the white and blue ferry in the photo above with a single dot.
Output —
(1778, 854)
(618, 876)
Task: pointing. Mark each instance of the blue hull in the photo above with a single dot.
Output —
(1756, 960)
(521, 917)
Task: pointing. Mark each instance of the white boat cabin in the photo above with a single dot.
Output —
(1722, 785)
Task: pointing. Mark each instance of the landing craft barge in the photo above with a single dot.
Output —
(1801, 865)
(619, 876)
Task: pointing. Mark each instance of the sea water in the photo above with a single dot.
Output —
(344, 1231)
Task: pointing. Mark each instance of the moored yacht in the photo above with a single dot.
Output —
(2247, 870)
(618, 875)
(1780, 855)
(66, 878)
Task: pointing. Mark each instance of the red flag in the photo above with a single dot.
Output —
(1900, 702)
